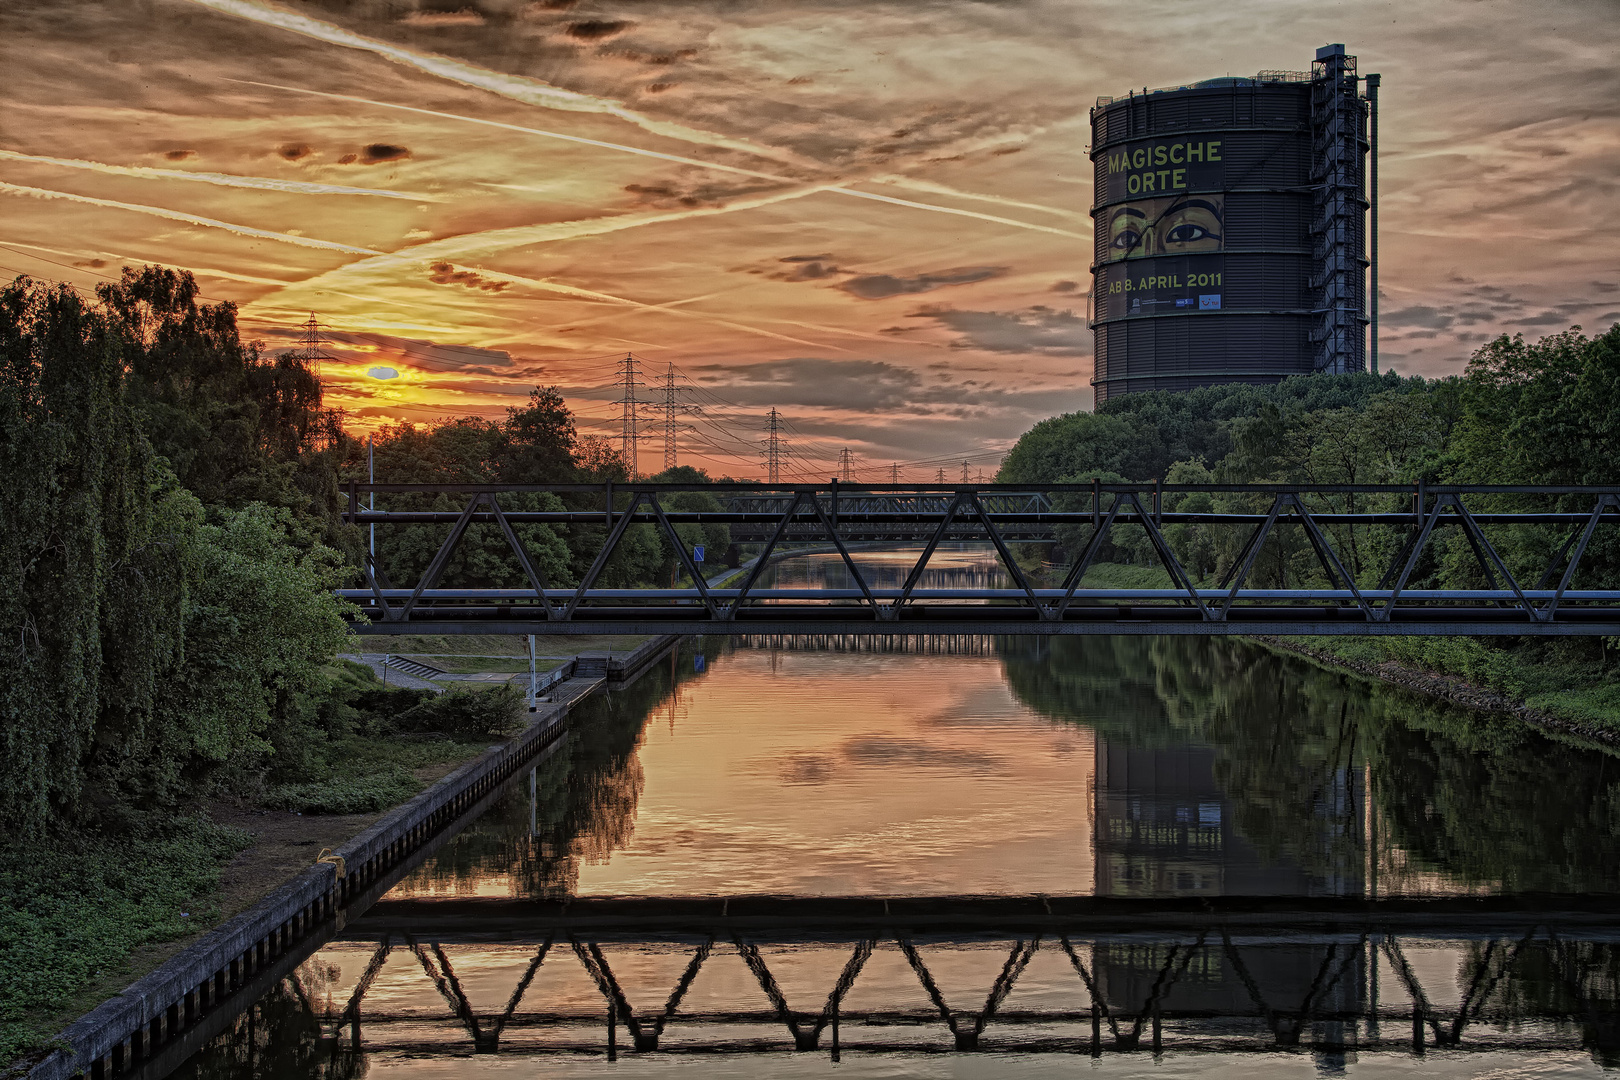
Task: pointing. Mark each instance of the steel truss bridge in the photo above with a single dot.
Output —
(1087, 516)
(1228, 975)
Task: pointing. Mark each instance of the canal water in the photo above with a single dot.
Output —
(1146, 769)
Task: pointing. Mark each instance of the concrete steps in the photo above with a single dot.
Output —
(413, 667)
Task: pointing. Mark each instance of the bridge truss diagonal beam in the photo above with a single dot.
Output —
(1233, 598)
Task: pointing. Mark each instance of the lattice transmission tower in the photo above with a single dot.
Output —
(629, 374)
(671, 407)
(313, 346)
(894, 473)
(846, 465)
(774, 450)
(966, 478)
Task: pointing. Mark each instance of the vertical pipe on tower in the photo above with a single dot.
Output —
(1372, 206)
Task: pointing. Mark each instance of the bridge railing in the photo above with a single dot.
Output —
(1233, 558)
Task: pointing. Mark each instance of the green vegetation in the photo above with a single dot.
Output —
(1544, 412)
(78, 904)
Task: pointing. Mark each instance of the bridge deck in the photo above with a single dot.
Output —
(1325, 521)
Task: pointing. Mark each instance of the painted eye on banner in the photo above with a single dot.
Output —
(1187, 233)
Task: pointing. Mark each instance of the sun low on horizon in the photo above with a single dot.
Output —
(873, 218)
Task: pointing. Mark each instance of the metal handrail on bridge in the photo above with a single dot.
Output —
(933, 514)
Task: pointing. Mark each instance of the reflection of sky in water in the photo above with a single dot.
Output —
(825, 773)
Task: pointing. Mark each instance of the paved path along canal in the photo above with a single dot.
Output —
(1256, 823)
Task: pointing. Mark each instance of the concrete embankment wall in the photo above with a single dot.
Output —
(178, 1007)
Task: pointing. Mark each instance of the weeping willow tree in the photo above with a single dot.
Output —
(151, 639)
(91, 597)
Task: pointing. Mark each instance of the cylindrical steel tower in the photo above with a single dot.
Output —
(1230, 244)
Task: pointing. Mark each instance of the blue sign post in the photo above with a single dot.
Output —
(697, 553)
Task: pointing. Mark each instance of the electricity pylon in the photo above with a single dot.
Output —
(773, 447)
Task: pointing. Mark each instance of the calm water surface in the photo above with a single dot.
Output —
(1124, 767)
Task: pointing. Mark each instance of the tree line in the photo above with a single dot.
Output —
(173, 500)
(1544, 412)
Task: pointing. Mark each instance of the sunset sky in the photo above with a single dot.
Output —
(871, 216)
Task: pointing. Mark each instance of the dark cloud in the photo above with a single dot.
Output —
(425, 355)
(294, 151)
(444, 273)
(1036, 330)
(378, 152)
(463, 17)
(1546, 318)
(597, 29)
(180, 155)
(1426, 317)
(872, 387)
(883, 286)
(809, 271)
(673, 195)
(805, 258)
(1065, 286)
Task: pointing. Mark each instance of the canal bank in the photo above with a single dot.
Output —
(1587, 726)
(1549, 693)
(185, 999)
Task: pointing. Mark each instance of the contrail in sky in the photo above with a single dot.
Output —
(491, 241)
(915, 184)
(518, 88)
(776, 177)
(678, 159)
(496, 240)
(263, 183)
(190, 219)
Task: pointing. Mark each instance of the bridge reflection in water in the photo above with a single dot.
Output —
(1017, 975)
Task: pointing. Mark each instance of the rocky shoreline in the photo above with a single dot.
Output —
(1449, 688)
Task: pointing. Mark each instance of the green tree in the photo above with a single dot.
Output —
(90, 600)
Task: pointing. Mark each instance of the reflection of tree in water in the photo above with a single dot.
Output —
(586, 793)
(1106, 683)
(1483, 801)
(1490, 802)
(1563, 978)
(280, 1037)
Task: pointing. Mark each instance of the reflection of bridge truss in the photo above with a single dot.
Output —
(1086, 517)
(931, 645)
(1226, 984)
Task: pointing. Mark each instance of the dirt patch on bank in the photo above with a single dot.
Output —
(1450, 688)
(284, 844)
